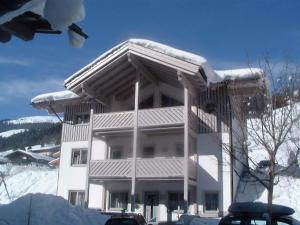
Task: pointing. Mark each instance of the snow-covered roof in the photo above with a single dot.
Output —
(54, 96)
(31, 154)
(158, 47)
(197, 60)
(52, 10)
(239, 74)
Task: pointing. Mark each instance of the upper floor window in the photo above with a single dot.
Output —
(76, 197)
(148, 152)
(167, 101)
(147, 103)
(81, 118)
(116, 152)
(179, 150)
(79, 157)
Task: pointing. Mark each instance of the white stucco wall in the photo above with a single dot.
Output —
(74, 177)
(213, 174)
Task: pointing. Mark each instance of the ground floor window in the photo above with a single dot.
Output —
(76, 197)
(175, 201)
(119, 200)
(211, 201)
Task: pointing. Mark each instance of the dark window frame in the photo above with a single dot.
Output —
(76, 192)
(80, 150)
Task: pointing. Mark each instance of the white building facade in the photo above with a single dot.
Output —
(148, 128)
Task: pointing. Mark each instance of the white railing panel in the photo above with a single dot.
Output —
(145, 168)
(161, 116)
(113, 120)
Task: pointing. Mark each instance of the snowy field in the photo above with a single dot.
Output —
(12, 132)
(28, 179)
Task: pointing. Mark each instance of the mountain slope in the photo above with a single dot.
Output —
(29, 131)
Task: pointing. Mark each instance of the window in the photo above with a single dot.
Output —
(148, 152)
(79, 157)
(179, 150)
(81, 118)
(76, 197)
(147, 103)
(119, 200)
(116, 152)
(176, 201)
(167, 101)
(211, 201)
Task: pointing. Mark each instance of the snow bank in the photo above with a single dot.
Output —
(41, 209)
(27, 179)
(285, 193)
(54, 96)
(12, 132)
(34, 119)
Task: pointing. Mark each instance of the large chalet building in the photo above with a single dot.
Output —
(144, 130)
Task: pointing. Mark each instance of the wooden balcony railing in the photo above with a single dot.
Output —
(167, 168)
(169, 116)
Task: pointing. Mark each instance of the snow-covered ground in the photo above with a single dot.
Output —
(41, 209)
(28, 179)
(12, 132)
(34, 119)
(286, 192)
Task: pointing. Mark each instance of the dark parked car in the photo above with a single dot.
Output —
(257, 213)
(122, 218)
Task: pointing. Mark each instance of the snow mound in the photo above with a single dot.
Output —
(41, 209)
(286, 192)
(54, 96)
(27, 179)
(34, 119)
(12, 132)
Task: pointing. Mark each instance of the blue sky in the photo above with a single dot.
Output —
(228, 33)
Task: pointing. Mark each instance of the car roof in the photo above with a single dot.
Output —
(259, 208)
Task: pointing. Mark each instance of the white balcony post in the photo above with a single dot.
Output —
(186, 149)
(135, 142)
(89, 154)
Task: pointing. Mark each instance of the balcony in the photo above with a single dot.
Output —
(155, 168)
(158, 117)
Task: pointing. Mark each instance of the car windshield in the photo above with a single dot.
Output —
(121, 221)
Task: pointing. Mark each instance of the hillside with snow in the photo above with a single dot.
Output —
(9, 133)
(34, 119)
(22, 180)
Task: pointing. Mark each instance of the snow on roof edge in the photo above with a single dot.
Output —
(240, 74)
(54, 96)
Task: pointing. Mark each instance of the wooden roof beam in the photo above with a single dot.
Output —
(93, 95)
(141, 68)
(186, 83)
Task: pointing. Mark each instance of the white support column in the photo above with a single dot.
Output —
(135, 142)
(89, 154)
(186, 149)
